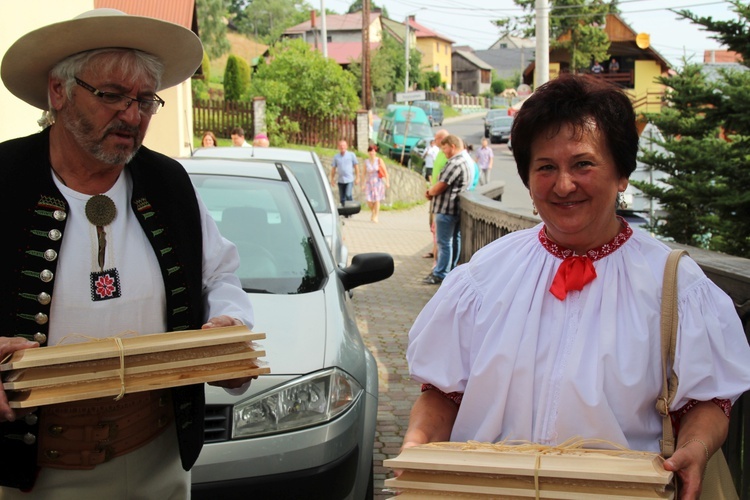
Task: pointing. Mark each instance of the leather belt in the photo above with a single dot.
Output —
(84, 434)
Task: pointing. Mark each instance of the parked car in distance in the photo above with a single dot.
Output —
(500, 129)
(400, 129)
(416, 155)
(306, 430)
(491, 115)
(433, 110)
(308, 169)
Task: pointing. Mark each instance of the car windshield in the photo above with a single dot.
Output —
(415, 129)
(504, 121)
(263, 218)
(312, 184)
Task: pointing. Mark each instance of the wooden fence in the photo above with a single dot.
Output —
(222, 116)
(321, 131)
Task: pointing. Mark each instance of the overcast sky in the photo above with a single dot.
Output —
(467, 22)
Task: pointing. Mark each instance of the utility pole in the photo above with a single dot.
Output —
(542, 42)
(406, 45)
(366, 82)
(324, 34)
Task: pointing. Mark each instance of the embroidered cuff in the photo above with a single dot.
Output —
(456, 397)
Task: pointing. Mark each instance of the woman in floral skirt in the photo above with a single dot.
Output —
(374, 181)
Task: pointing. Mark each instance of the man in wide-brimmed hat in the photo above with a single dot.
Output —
(104, 236)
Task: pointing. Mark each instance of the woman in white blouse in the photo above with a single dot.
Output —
(553, 332)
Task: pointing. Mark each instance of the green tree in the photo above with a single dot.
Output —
(234, 84)
(266, 20)
(387, 68)
(356, 6)
(300, 78)
(582, 21)
(211, 26)
(706, 138)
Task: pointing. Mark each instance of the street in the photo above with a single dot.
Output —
(470, 129)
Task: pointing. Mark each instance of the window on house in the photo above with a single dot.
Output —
(485, 76)
(446, 49)
(329, 38)
(437, 46)
(503, 45)
(437, 68)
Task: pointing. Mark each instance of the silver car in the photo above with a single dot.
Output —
(500, 129)
(308, 169)
(307, 429)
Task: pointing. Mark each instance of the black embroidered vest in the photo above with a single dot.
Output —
(35, 212)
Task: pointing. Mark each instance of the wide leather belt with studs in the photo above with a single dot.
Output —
(84, 434)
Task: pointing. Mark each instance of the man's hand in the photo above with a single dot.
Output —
(217, 322)
(9, 345)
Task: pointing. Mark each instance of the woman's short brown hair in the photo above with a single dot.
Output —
(577, 100)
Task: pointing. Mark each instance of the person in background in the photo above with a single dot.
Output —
(209, 140)
(373, 184)
(261, 141)
(437, 166)
(454, 179)
(429, 155)
(597, 68)
(104, 237)
(238, 138)
(345, 172)
(614, 66)
(469, 152)
(485, 158)
(553, 332)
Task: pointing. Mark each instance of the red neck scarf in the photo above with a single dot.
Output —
(577, 271)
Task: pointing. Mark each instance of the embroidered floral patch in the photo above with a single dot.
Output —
(105, 285)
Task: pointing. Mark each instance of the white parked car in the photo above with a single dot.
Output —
(308, 169)
(307, 429)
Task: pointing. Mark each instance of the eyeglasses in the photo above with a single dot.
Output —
(122, 102)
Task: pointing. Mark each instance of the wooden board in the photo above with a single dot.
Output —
(143, 344)
(69, 373)
(435, 483)
(578, 464)
(136, 383)
(567, 472)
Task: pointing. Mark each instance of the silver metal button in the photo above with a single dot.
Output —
(59, 215)
(44, 298)
(54, 234)
(29, 438)
(31, 419)
(50, 255)
(40, 337)
(46, 276)
(41, 318)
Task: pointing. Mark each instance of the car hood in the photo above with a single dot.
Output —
(295, 328)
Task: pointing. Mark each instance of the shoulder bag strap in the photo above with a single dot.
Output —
(668, 344)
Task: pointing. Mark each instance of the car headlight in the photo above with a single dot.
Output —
(302, 402)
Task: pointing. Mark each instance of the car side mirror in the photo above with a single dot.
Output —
(350, 208)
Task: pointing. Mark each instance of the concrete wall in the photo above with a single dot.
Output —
(407, 186)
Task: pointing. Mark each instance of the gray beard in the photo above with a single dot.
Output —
(82, 130)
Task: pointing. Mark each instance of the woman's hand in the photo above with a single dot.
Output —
(703, 429)
(9, 345)
(689, 463)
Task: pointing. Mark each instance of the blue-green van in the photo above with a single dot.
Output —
(400, 120)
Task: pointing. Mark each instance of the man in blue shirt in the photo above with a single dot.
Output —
(345, 172)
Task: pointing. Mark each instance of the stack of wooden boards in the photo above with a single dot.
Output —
(486, 470)
(111, 366)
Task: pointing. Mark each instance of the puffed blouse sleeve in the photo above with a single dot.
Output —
(712, 351)
(441, 339)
